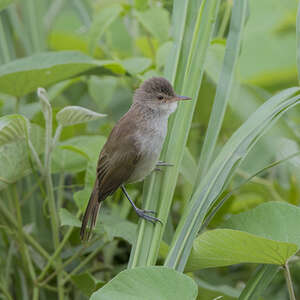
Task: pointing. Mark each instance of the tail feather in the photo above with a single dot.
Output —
(90, 215)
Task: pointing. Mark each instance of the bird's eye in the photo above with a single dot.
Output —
(160, 97)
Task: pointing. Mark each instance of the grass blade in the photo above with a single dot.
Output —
(298, 41)
(189, 59)
(222, 170)
(260, 280)
(224, 87)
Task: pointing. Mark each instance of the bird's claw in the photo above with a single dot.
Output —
(164, 164)
(142, 213)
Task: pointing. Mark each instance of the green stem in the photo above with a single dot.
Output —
(23, 248)
(33, 25)
(47, 111)
(5, 292)
(289, 281)
(4, 44)
(56, 253)
(19, 29)
(67, 262)
(225, 19)
(82, 264)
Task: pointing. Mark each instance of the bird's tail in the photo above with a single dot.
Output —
(90, 215)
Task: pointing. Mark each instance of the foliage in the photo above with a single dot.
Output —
(228, 204)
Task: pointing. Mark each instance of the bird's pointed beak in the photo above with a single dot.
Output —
(180, 98)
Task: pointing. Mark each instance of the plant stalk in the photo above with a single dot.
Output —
(289, 282)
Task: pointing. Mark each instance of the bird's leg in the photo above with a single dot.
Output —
(141, 212)
(163, 164)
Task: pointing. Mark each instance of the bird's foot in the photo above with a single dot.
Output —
(144, 213)
(163, 164)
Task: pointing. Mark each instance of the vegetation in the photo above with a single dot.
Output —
(230, 204)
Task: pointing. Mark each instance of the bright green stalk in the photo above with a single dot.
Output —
(3, 42)
(19, 28)
(47, 111)
(289, 282)
(222, 170)
(187, 75)
(298, 42)
(33, 24)
(260, 280)
(23, 247)
(224, 87)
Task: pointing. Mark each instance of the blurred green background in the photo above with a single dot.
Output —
(137, 34)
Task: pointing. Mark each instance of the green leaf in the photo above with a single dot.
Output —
(86, 282)
(5, 3)
(66, 159)
(298, 41)
(150, 283)
(67, 219)
(12, 128)
(162, 54)
(25, 75)
(267, 219)
(156, 21)
(14, 163)
(255, 236)
(136, 65)
(101, 90)
(77, 154)
(71, 115)
(222, 169)
(224, 247)
(101, 22)
(115, 226)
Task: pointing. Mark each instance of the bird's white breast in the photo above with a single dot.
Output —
(150, 141)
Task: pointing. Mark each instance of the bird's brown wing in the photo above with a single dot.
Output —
(116, 163)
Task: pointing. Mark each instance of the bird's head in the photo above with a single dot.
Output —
(158, 93)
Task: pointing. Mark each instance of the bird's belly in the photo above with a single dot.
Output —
(144, 167)
(150, 149)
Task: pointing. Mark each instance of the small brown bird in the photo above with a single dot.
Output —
(133, 147)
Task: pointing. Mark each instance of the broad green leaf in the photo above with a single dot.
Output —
(25, 75)
(224, 247)
(159, 283)
(12, 128)
(71, 115)
(14, 157)
(162, 54)
(101, 22)
(115, 226)
(77, 154)
(66, 218)
(66, 159)
(136, 65)
(5, 3)
(86, 282)
(268, 58)
(14, 163)
(101, 90)
(272, 220)
(156, 21)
